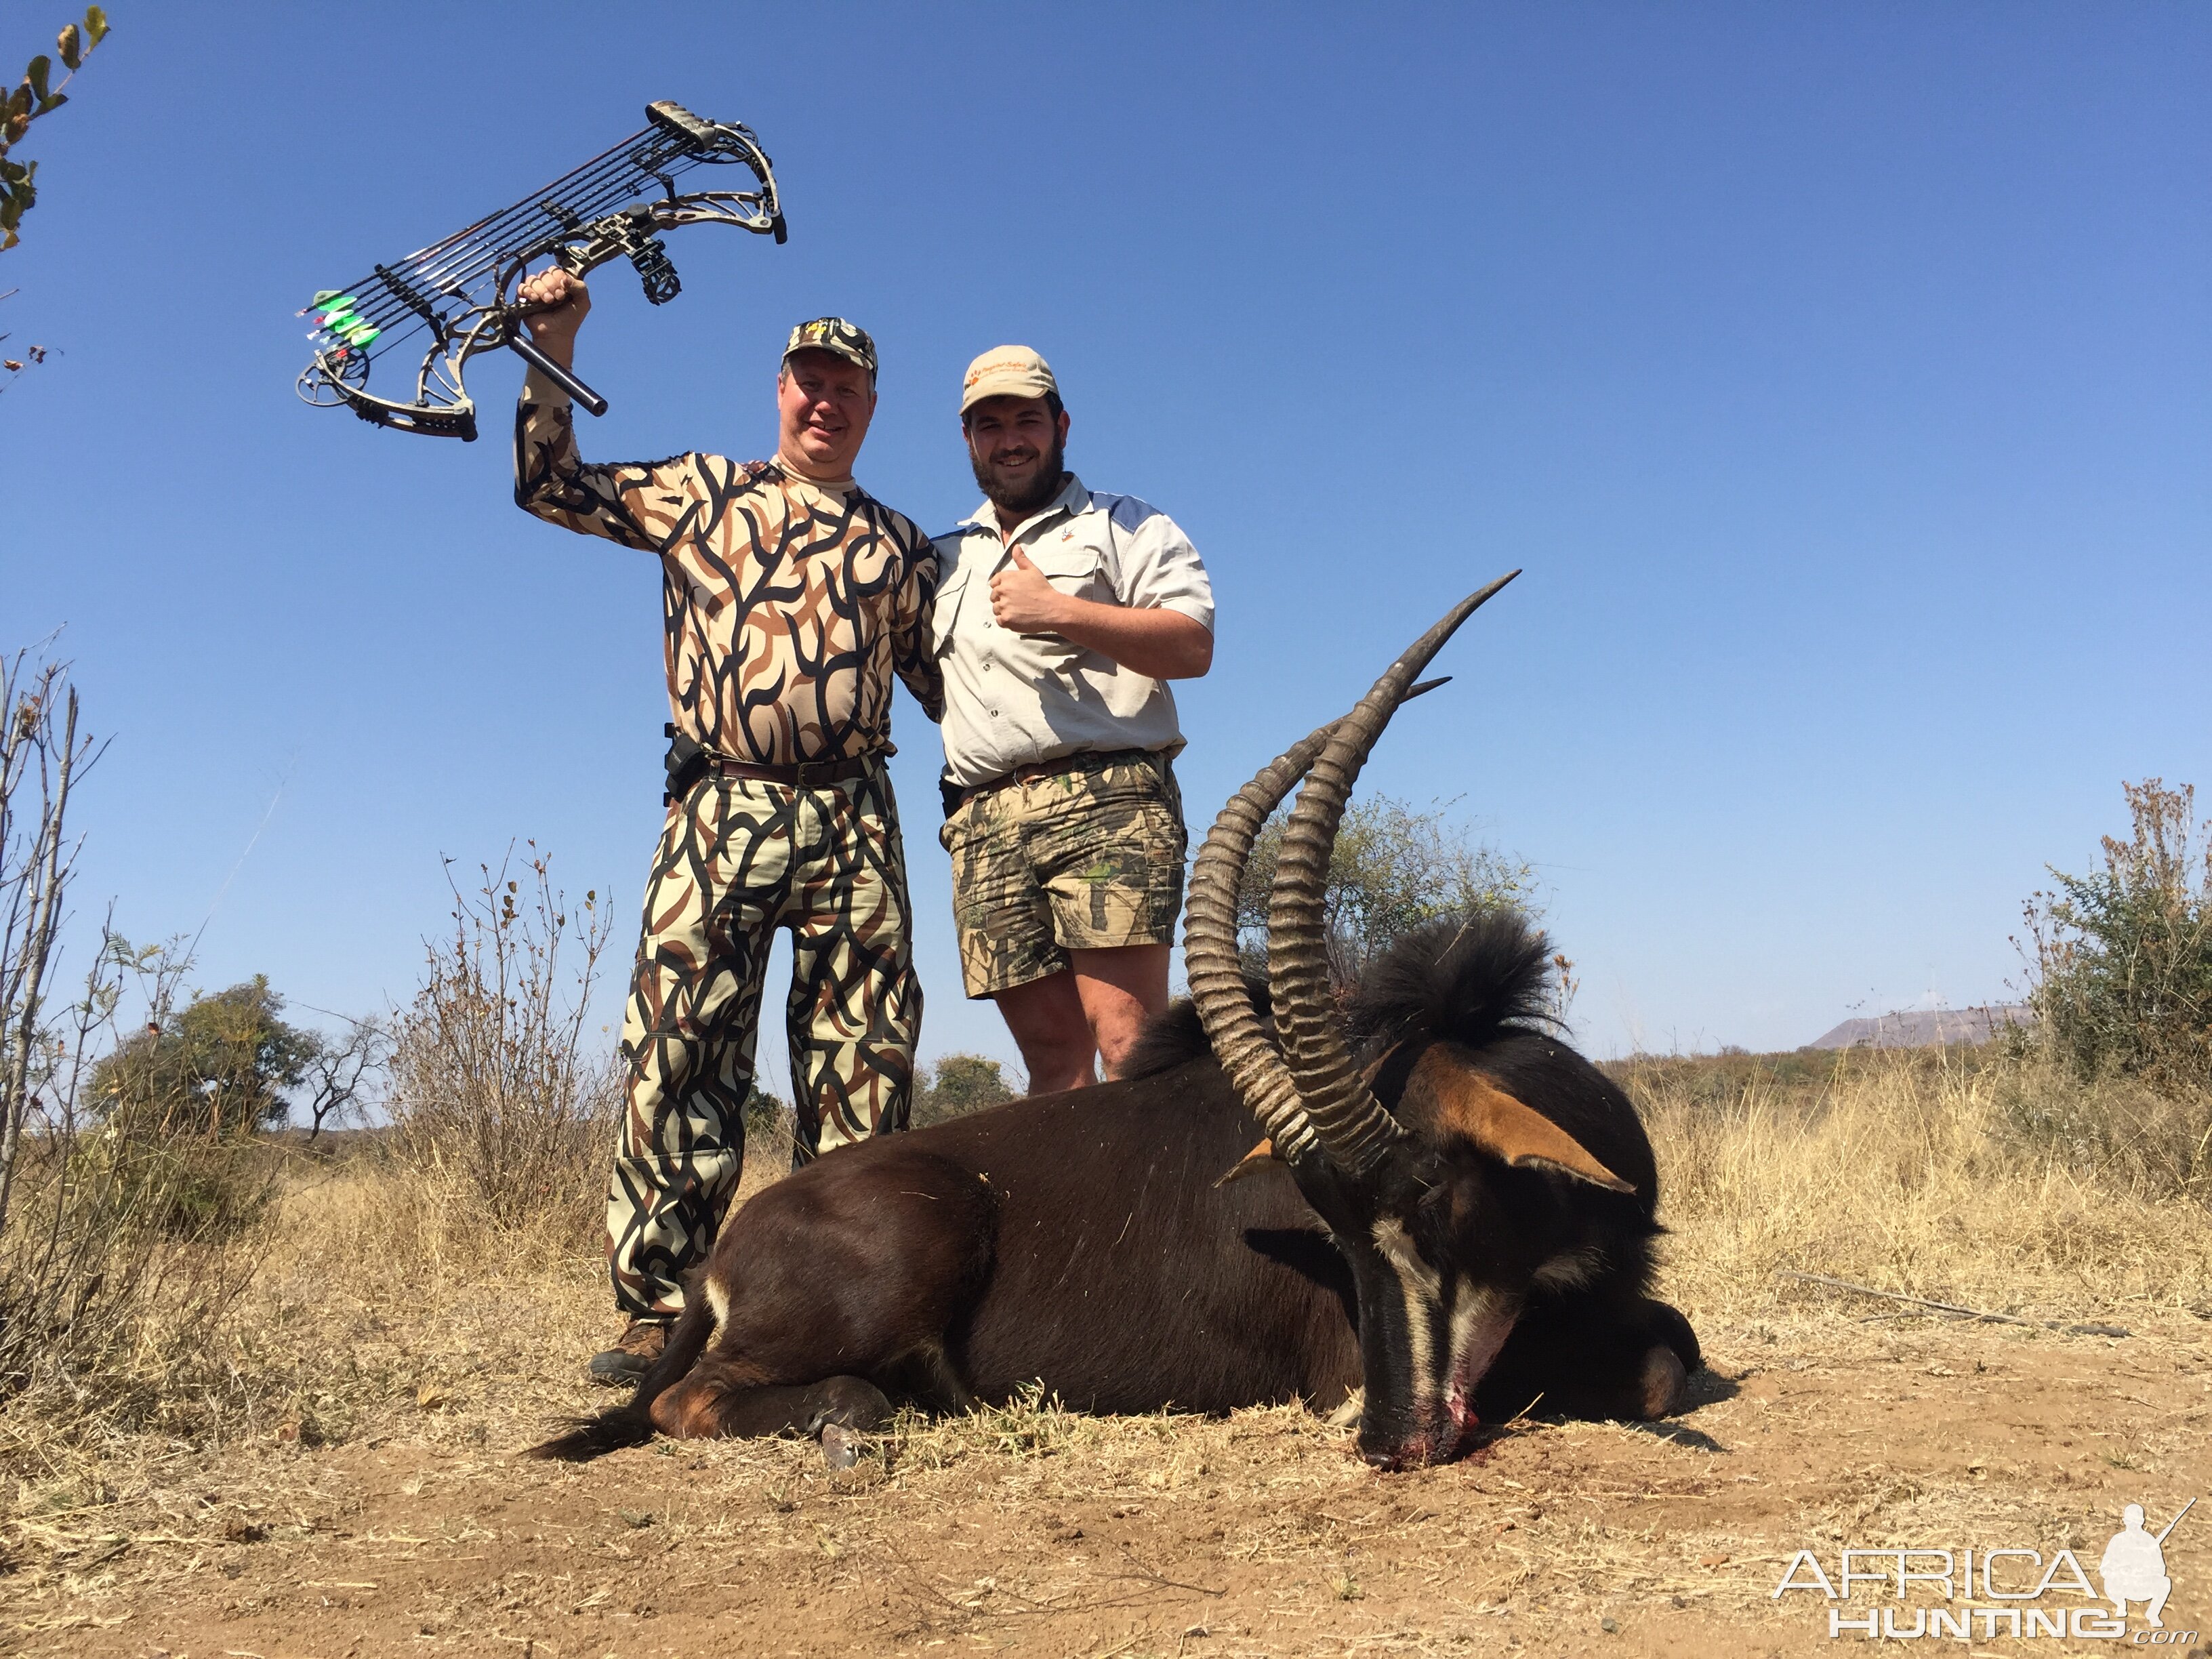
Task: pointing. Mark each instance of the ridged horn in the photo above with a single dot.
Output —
(1339, 1107)
(1211, 959)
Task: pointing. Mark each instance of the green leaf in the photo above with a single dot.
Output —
(47, 105)
(36, 75)
(66, 43)
(19, 101)
(96, 24)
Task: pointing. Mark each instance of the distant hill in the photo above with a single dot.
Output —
(1925, 1028)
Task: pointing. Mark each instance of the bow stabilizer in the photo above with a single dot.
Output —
(460, 291)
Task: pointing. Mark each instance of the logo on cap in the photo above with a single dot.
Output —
(1010, 371)
(848, 340)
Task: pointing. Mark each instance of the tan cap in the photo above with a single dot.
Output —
(1007, 371)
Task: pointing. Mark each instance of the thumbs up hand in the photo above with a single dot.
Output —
(1022, 600)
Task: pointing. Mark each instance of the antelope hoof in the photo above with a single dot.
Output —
(1662, 1386)
(841, 1446)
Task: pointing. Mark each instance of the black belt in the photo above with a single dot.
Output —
(805, 774)
(688, 761)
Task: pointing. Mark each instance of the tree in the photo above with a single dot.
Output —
(2120, 960)
(1392, 869)
(334, 1071)
(32, 98)
(960, 1084)
(220, 1068)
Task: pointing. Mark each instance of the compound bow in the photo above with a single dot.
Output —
(462, 289)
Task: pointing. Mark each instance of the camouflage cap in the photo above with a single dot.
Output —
(1007, 371)
(848, 340)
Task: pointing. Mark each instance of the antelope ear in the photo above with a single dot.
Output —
(1253, 1163)
(1470, 1104)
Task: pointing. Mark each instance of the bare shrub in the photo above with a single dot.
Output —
(40, 759)
(771, 1130)
(120, 1238)
(497, 1093)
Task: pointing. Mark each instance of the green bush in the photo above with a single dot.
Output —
(219, 1067)
(960, 1083)
(2120, 960)
(1391, 870)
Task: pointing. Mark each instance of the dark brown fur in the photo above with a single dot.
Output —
(1079, 1242)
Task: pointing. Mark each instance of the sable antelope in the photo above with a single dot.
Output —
(1450, 1207)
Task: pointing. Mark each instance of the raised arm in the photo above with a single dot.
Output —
(638, 505)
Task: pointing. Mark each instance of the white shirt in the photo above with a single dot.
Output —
(1015, 699)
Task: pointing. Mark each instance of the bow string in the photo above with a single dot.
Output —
(454, 298)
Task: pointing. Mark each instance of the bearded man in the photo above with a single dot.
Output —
(1062, 613)
(790, 598)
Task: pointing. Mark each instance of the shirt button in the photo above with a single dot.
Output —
(986, 668)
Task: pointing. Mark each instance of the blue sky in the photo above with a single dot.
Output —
(1842, 377)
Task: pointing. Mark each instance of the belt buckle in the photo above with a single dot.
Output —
(799, 772)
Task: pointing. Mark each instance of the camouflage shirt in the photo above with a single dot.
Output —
(788, 605)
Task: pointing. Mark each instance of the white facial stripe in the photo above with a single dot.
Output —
(1572, 1270)
(1480, 1325)
(1423, 1291)
(719, 1300)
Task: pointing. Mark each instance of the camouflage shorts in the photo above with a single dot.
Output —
(1087, 857)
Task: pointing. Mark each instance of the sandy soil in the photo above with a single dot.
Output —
(1032, 1531)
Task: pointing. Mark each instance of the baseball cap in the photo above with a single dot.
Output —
(848, 340)
(1007, 371)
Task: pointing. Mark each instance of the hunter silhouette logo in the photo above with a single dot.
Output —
(2134, 1565)
(1982, 1593)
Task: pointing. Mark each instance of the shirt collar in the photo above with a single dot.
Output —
(1072, 499)
(840, 489)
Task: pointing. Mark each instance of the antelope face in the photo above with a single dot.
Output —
(1445, 1235)
(1481, 1201)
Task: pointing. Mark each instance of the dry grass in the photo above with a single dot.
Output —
(392, 1353)
(380, 1286)
(1932, 1174)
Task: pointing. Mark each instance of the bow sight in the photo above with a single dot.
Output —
(462, 289)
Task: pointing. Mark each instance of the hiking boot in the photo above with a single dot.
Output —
(632, 1355)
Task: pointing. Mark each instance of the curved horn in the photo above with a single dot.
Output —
(1338, 1106)
(1211, 961)
(1210, 954)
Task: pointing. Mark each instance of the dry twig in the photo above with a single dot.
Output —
(1955, 1310)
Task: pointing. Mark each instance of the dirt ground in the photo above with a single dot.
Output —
(1031, 1531)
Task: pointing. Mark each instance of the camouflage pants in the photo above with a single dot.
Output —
(1087, 855)
(738, 859)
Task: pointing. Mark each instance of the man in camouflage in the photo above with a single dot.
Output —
(1061, 614)
(791, 598)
